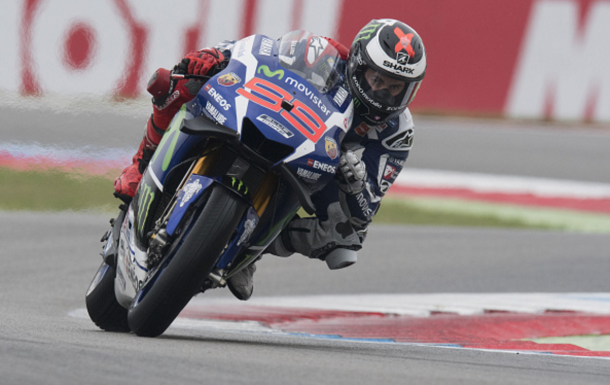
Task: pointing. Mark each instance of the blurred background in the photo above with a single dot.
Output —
(539, 59)
(513, 88)
(506, 189)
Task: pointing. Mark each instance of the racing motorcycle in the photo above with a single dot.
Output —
(233, 169)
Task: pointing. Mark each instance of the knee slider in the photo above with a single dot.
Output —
(340, 258)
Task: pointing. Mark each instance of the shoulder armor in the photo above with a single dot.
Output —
(400, 137)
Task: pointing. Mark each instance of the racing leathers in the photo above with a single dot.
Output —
(376, 153)
(342, 218)
(342, 214)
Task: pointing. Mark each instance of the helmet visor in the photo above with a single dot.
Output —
(385, 92)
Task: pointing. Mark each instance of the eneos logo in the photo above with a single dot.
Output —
(218, 98)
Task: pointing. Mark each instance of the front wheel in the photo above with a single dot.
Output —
(182, 278)
(102, 305)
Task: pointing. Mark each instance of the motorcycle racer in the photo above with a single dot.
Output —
(384, 69)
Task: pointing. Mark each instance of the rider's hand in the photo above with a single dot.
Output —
(351, 173)
(195, 63)
(201, 62)
(170, 94)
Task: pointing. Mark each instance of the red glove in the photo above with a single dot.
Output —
(169, 94)
(200, 62)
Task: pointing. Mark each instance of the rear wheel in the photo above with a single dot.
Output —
(102, 305)
(182, 278)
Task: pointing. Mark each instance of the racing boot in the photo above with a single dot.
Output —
(241, 284)
(337, 258)
(169, 94)
(126, 185)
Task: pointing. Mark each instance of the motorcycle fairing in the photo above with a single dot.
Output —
(283, 106)
(131, 262)
(244, 233)
(175, 146)
(221, 102)
(192, 190)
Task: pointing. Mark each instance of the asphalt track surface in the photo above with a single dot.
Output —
(49, 260)
(570, 152)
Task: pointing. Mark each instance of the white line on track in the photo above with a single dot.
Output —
(67, 152)
(422, 305)
(508, 184)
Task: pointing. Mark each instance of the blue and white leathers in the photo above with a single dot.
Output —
(342, 219)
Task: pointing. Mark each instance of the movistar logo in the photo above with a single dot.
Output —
(268, 72)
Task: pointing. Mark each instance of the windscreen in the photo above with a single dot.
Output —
(313, 58)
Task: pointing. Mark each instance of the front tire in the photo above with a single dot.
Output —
(195, 258)
(102, 305)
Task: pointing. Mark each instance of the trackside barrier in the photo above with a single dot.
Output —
(536, 59)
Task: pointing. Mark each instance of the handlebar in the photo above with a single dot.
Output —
(189, 76)
(160, 82)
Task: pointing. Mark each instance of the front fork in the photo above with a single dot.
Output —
(239, 252)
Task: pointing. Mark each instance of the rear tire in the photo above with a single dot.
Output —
(102, 305)
(183, 277)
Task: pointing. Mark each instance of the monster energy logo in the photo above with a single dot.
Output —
(240, 184)
(146, 198)
(366, 32)
(168, 142)
(268, 72)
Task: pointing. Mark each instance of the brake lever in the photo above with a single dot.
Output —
(189, 76)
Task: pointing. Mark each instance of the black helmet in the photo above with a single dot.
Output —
(387, 63)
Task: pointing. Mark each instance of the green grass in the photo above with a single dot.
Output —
(455, 212)
(410, 212)
(60, 191)
(593, 342)
(55, 191)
